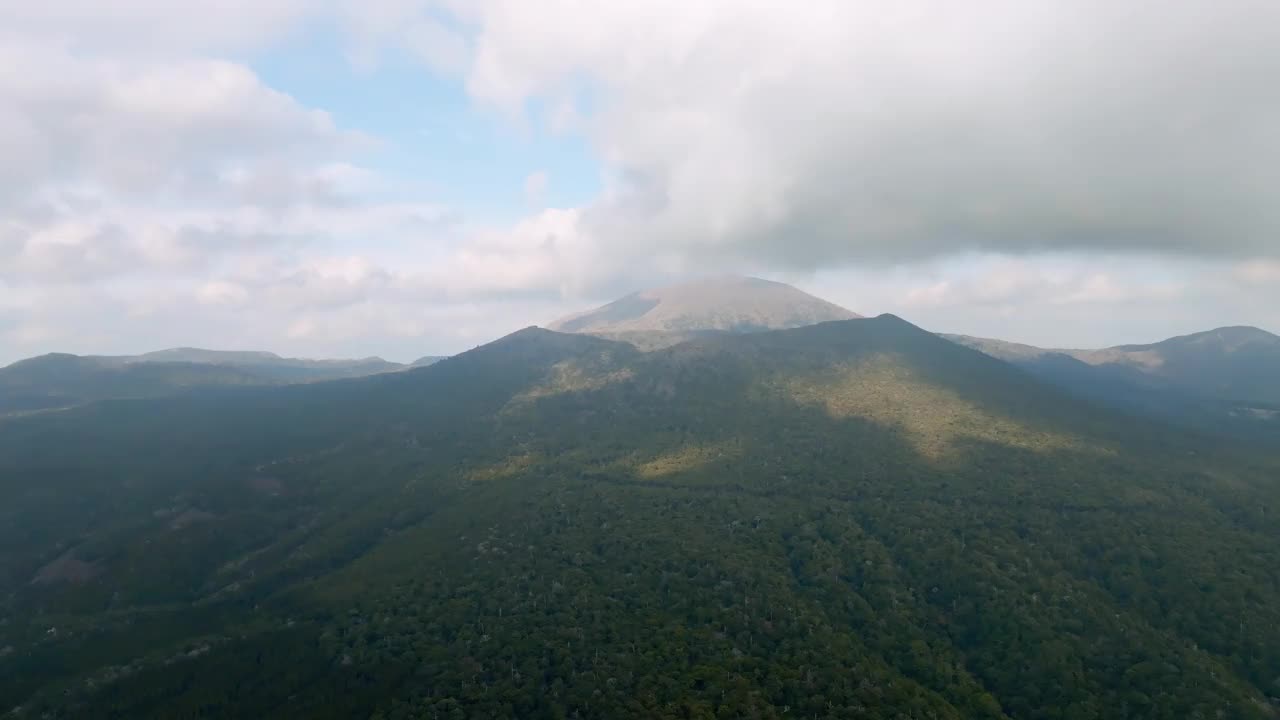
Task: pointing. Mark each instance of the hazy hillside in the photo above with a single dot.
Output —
(851, 519)
(60, 380)
(664, 316)
(1237, 364)
(1224, 380)
(270, 364)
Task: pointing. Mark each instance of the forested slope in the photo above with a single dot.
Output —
(853, 519)
(60, 380)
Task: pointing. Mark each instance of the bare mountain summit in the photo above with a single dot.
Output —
(667, 315)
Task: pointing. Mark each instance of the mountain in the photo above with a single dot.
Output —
(60, 380)
(850, 519)
(665, 316)
(1235, 364)
(212, 357)
(266, 363)
(1225, 380)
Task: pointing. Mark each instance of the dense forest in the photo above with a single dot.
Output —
(856, 519)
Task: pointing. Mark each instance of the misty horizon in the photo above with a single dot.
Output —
(407, 357)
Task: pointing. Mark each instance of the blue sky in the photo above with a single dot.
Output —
(413, 177)
(434, 138)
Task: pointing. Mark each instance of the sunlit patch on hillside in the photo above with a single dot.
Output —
(67, 568)
(933, 419)
(685, 459)
(510, 467)
(1141, 496)
(570, 376)
(1217, 476)
(1258, 413)
(1149, 360)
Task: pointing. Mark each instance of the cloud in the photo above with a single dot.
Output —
(1058, 300)
(155, 193)
(135, 240)
(834, 132)
(118, 165)
(151, 27)
(222, 293)
(420, 28)
(114, 165)
(339, 306)
(1047, 171)
(92, 125)
(1007, 284)
(1259, 272)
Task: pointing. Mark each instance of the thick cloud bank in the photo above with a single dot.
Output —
(825, 132)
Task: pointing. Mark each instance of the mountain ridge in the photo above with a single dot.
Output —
(1249, 334)
(1224, 381)
(732, 526)
(1182, 360)
(60, 380)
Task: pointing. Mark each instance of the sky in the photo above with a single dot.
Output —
(400, 178)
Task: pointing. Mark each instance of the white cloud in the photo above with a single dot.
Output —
(160, 195)
(145, 128)
(151, 27)
(123, 239)
(222, 293)
(1009, 284)
(1259, 272)
(832, 132)
(119, 165)
(414, 26)
(1058, 300)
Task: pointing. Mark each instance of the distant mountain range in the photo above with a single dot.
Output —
(664, 316)
(1223, 380)
(60, 380)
